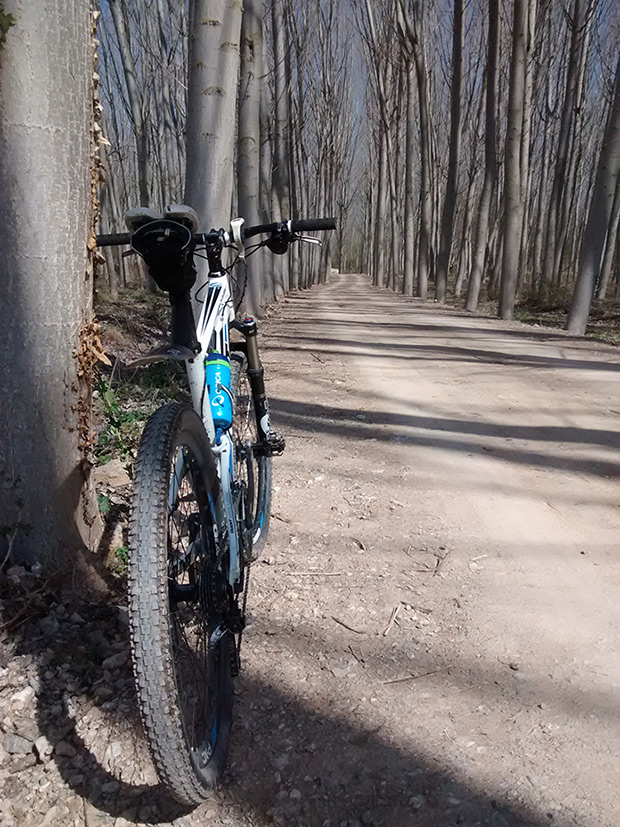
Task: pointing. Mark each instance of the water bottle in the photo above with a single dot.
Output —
(218, 386)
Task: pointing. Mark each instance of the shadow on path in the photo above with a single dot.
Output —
(344, 768)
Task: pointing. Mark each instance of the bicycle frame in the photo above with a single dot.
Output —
(212, 329)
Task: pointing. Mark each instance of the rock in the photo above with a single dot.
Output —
(43, 749)
(23, 697)
(22, 762)
(49, 625)
(50, 817)
(27, 728)
(295, 795)
(103, 692)
(122, 618)
(65, 749)
(112, 474)
(114, 750)
(16, 744)
(15, 573)
(115, 661)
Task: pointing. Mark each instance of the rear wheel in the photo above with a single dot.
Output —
(252, 468)
(178, 603)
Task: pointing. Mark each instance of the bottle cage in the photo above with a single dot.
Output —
(166, 247)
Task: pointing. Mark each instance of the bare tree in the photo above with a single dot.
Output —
(248, 153)
(490, 160)
(513, 203)
(449, 205)
(599, 216)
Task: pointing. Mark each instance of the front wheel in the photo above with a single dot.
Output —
(183, 652)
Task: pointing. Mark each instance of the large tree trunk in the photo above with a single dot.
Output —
(215, 28)
(47, 505)
(513, 202)
(599, 216)
(449, 204)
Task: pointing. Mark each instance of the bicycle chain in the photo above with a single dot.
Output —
(235, 654)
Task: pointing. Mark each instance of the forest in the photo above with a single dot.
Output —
(469, 151)
(430, 634)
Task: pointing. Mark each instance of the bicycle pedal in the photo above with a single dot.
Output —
(273, 445)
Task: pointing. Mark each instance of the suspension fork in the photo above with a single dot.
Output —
(249, 329)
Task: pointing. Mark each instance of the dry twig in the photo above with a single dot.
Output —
(346, 626)
(392, 620)
(413, 677)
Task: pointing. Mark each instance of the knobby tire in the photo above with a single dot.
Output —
(177, 596)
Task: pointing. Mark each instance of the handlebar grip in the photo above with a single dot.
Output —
(310, 224)
(113, 239)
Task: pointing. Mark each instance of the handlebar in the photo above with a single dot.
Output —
(278, 227)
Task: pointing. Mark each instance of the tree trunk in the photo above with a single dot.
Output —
(248, 153)
(553, 225)
(47, 505)
(380, 216)
(513, 202)
(599, 216)
(610, 246)
(409, 178)
(281, 137)
(215, 28)
(490, 161)
(447, 219)
(135, 102)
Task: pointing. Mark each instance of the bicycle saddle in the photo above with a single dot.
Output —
(137, 217)
(183, 214)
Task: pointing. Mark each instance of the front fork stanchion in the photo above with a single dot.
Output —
(269, 441)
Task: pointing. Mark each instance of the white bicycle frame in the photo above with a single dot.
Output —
(212, 332)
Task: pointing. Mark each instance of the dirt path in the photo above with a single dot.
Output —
(462, 473)
(433, 627)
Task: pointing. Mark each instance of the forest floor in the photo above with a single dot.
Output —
(432, 637)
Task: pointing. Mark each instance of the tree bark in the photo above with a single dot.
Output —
(47, 505)
(599, 215)
(215, 29)
(553, 227)
(449, 204)
(281, 138)
(513, 202)
(610, 246)
(490, 161)
(136, 103)
(248, 152)
(409, 186)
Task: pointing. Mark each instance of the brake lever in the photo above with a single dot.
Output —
(235, 225)
(309, 239)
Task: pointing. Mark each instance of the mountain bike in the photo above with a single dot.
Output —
(201, 496)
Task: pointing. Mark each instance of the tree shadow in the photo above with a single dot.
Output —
(381, 425)
(417, 352)
(292, 762)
